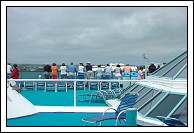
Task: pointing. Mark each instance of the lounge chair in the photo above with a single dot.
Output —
(70, 84)
(51, 85)
(93, 84)
(80, 84)
(28, 85)
(40, 85)
(104, 84)
(97, 96)
(61, 85)
(169, 121)
(127, 101)
(101, 95)
(115, 85)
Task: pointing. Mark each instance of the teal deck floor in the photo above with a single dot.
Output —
(55, 119)
(60, 98)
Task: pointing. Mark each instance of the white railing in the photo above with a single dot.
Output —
(90, 80)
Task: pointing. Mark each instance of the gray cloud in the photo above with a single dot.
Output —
(95, 34)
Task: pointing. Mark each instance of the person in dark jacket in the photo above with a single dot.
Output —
(47, 70)
(152, 68)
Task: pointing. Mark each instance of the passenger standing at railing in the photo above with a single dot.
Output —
(63, 70)
(47, 70)
(72, 69)
(99, 72)
(15, 72)
(118, 72)
(89, 70)
(140, 73)
(54, 70)
(81, 67)
(127, 68)
(9, 70)
(108, 70)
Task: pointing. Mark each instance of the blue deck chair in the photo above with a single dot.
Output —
(115, 85)
(29, 85)
(104, 84)
(127, 101)
(70, 84)
(51, 85)
(80, 84)
(93, 84)
(97, 96)
(40, 85)
(169, 121)
(101, 95)
(61, 85)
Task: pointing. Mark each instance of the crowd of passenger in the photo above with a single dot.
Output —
(51, 72)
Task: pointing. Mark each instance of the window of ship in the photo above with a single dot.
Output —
(150, 104)
(183, 74)
(131, 87)
(134, 89)
(137, 88)
(181, 112)
(142, 92)
(176, 69)
(145, 98)
(169, 65)
(166, 105)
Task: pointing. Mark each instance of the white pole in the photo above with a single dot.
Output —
(145, 70)
(74, 93)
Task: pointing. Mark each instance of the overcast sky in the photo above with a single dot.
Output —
(97, 34)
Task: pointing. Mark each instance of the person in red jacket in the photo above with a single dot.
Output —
(15, 72)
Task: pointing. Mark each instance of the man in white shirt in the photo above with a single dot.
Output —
(9, 70)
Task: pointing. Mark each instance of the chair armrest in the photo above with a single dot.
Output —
(108, 109)
(105, 112)
(119, 116)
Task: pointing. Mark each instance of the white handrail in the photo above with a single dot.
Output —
(98, 80)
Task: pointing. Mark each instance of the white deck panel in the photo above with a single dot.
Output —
(113, 103)
(70, 109)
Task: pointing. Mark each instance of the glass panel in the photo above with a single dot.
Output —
(168, 66)
(166, 106)
(136, 89)
(143, 91)
(181, 112)
(145, 99)
(183, 74)
(152, 103)
(176, 69)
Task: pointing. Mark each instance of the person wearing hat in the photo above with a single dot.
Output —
(89, 70)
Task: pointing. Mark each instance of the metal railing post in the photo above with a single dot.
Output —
(74, 93)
